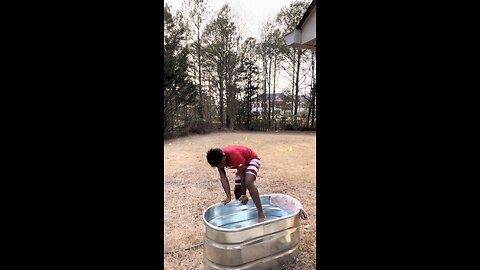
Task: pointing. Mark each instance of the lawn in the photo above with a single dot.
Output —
(191, 185)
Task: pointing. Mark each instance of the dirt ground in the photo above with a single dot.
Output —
(191, 185)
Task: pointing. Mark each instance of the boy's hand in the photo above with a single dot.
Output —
(243, 199)
(227, 200)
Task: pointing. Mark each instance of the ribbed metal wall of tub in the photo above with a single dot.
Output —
(273, 262)
(251, 250)
(267, 245)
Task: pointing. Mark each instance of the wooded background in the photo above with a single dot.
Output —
(216, 77)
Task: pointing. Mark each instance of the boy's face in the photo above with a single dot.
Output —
(223, 162)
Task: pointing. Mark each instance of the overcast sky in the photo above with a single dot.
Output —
(252, 13)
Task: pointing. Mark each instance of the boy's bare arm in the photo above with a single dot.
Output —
(225, 184)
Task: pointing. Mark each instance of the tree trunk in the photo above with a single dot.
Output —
(221, 98)
(269, 94)
(293, 81)
(264, 99)
(227, 95)
(231, 107)
(314, 88)
(208, 105)
(310, 105)
(299, 51)
(273, 103)
(314, 98)
(312, 94)
(249, 96)
(256, 115)
(199, 74)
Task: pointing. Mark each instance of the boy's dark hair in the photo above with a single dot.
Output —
(214, 156)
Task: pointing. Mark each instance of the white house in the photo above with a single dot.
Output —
(305, 33)
(282, 103)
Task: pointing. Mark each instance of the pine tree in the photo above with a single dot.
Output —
(178, 89)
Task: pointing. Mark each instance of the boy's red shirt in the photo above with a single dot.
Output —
(238, 155)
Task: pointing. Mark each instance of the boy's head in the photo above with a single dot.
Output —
(216, 157)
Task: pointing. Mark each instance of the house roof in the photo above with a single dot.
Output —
(305, 16)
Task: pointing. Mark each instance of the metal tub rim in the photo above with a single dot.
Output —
(246, 227)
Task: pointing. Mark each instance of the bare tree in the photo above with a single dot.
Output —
(221, 50)
(287, 18)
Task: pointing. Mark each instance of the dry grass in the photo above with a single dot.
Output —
(191, 186)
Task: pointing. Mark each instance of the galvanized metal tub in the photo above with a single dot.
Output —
(233, 238)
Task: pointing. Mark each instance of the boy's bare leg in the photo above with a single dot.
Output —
(252, 189)
(237, 191)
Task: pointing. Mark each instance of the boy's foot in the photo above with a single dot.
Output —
(261, 218)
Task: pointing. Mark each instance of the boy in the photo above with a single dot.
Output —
(247, 164)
